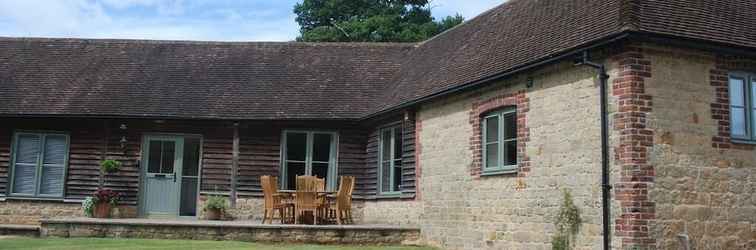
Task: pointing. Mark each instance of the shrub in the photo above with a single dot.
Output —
(110, 166)
(216, 202)
(567, 224)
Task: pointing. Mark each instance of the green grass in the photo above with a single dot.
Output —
(105, 243)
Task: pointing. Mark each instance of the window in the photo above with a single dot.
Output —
(308, 153)
(743, 106)
(500, 141)
(390, 160)
(39, 164)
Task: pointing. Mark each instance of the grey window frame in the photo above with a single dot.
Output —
(333, 163)
(500, 168)
(749, 106)
(39, 164)
(392, 160)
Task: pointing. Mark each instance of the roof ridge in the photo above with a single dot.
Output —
(191, 42)
(484, 13)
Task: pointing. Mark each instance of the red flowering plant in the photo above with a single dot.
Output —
(106, 195)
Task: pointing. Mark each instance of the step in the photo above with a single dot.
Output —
(19, 230)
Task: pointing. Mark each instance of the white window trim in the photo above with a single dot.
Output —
(392, 160)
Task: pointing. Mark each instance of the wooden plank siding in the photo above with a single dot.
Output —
(368, 183)
(92, 140)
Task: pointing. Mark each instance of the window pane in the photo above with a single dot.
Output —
(510, 126)
(296, 146)
(738, 121)
(24, 178)
(398, 150)
(55, 149)
(510, 153)
(27, 149)
(320, 170)
(169, 149)
(397, 175)
(386, 144)
(737, 92)
(191, 157)
(492, 129)
(386, 176)
(293, 170)
(492, 156)
(51, 180)
(321, 148)
(153, 163)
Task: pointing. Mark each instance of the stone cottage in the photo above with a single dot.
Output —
(644, 110)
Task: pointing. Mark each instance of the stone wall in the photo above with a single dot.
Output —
(387, 212)
(29, 212)
(238, 231)
(704, 185)
(461, 210)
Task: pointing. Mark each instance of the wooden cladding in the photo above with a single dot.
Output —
(93, 140)
(367, 184)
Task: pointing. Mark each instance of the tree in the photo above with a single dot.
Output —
(369, 21)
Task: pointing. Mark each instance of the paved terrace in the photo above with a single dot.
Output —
(228, 230)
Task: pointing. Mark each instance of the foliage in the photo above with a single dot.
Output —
(216, 202)
(88, 206)
(106, 195)
(369, 21)
(110, 166)
(567, 224)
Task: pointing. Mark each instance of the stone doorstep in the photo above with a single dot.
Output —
(214, 224)
(20, 230)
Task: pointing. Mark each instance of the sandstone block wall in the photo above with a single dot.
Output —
(464, 211)
(702, 189)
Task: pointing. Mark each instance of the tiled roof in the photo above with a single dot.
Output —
(221, 80)
(200, 80)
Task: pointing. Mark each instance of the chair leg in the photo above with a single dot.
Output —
(265, 216)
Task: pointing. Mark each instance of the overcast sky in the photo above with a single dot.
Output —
(217, 20)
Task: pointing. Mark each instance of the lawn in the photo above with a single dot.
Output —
(101, 243)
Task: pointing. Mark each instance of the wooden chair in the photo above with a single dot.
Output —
(308, 201)
(274, 201)
(342, 209)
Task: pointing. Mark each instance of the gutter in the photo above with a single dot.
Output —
(606, 188)
(569, 54)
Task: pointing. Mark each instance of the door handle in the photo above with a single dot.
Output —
(174, 177)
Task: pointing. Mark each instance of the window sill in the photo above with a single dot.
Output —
(22, 198)
(389, 195)
(743, 141)
(498, 172)
(399, 196)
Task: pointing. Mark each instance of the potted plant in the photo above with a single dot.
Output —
(110, 166)
(214, 207)
(104, 199)
(88, 206)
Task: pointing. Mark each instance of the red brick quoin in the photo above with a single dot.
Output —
(720, 108)
(635, 141)
(479, 108)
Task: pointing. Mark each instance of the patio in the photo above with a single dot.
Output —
(252, 231)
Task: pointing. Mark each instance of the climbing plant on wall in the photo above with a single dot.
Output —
(567, 224)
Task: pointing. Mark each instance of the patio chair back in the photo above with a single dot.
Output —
(310, 184)
(344, 195)
(270, 187)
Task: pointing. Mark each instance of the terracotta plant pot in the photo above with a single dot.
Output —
(101, 210)
(213, 214)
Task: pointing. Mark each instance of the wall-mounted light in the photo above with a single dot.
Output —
(529, 82)
(123, 140)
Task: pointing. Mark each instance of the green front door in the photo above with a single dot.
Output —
(161, 175)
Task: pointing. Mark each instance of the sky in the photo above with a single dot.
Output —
(207, 20)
